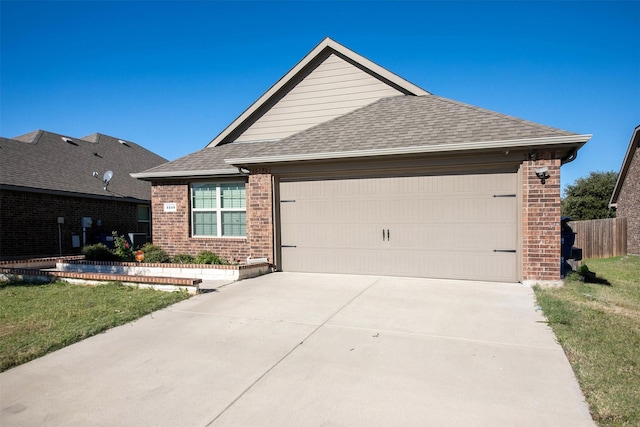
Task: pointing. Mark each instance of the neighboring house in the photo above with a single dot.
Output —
(47, 185)
(626, 193)
(344, 167)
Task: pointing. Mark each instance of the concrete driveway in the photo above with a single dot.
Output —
(292, 349)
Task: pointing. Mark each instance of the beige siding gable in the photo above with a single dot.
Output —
(332, 89)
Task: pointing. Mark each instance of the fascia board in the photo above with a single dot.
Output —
(326, 43)
(184, 174)
(424, 149)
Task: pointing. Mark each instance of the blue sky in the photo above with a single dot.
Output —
(171, 75)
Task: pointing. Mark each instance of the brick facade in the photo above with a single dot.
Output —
(541, 221)
(629, 205)
(29, 222)
(171, 230)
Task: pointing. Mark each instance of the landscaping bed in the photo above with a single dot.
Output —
(200, 271)
(157, 275)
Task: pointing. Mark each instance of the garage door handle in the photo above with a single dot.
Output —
(505, 250)
(387, 234)
(383, 234)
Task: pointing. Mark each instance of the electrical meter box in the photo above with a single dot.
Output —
(86, 222)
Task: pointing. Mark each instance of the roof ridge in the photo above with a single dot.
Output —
(30, 137)
(94, 137)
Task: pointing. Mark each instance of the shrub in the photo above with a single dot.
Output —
(184, 259)
(123, 249)
(207, 257)
(98, 252)
(155, 254)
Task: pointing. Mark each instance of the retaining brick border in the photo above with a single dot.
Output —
(160, 264)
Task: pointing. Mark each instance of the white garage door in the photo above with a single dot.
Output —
(451, 226)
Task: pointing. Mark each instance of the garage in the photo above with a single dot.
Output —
(445, 226)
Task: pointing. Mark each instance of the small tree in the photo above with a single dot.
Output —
(588, 198)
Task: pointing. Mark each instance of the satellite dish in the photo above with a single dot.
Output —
(107, 177)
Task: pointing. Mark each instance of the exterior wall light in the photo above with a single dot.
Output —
(543, 174)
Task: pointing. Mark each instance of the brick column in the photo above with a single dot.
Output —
(541, 221)
(260, 214)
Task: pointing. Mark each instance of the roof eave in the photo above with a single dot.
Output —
(626, 163)
(573, 140)
(327, 43)
(150, 176)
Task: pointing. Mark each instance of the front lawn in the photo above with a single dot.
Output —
(598, 326)
(38, 319)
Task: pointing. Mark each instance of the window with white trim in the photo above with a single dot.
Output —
(218, 209)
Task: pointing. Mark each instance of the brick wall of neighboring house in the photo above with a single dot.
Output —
(541, 221)
(171, 230)
(29, 222)
(629, 205)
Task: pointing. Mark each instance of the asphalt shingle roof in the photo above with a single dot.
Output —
(395, 122)
(44, 161)
(408, 121)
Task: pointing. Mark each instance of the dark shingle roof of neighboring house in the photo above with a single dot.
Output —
(634, 144)
(388, 126)
(49, 162)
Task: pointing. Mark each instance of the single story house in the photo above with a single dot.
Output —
(344, 167)
(626, 193)
(50, 182)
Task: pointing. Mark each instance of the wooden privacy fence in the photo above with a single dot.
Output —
(601, 238)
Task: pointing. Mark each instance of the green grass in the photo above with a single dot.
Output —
(598, 326)
(38, 319)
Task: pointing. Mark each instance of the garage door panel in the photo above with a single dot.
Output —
(338, 260)
(327, 236)
(471, 236)
(439, 226)
(470, 265)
